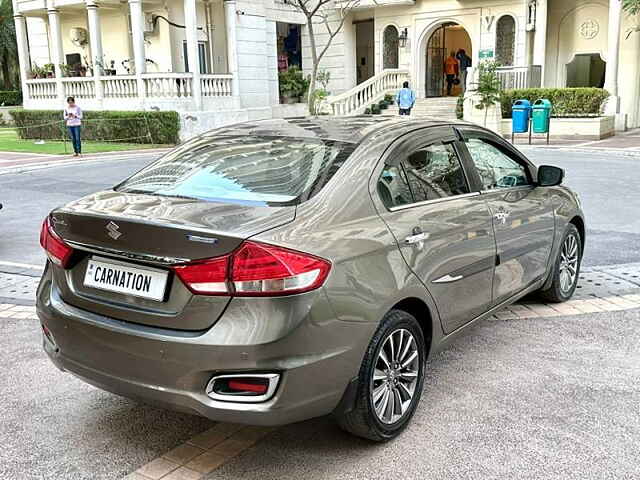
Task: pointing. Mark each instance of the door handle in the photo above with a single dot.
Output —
(416, 238)
(448, 279)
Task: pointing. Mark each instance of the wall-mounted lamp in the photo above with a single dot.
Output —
(403, 37)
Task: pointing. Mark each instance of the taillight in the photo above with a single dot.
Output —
(208, 276)
(255, 269)
(57, 251)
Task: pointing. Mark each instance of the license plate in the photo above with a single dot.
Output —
(137, 281)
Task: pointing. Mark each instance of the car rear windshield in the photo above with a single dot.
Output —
(274, 171)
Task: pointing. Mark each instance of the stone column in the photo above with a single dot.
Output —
(23, 50)
(137, 39)
(57, 53)
(95, 40)
(540, 38)
(232, 52)
(191, 34)
(613, 57)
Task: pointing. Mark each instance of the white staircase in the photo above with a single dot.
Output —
(442, 108)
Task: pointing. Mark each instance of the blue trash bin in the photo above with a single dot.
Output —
(520, 115)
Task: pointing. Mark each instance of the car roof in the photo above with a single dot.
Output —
(342, 129)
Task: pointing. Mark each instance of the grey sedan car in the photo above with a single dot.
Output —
(270, 272)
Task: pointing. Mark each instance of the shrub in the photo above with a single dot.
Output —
(383, 105)
(367, 111)
(460, 107)
(567, 102)
(10, 98)
(130, 127)
(292, 82)
(375, 109)
(389, 99)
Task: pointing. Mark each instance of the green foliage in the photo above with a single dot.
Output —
(488, 88)
(9, 69)
(383, 105)
(375, 109)
(367, 111)
(632, 8)
(132, 127)
(10, 98)
(567, 102)
(292, 82)
(460, 107)
(389, 99)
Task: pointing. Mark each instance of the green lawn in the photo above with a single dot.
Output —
(9, 142)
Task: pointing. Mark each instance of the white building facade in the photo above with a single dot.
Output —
(140, 54)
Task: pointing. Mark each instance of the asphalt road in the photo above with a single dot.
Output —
(607, 185)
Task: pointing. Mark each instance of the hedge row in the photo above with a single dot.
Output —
(567, 102)
(10, 98)
(124, 126)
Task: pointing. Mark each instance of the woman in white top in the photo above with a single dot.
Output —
(73, 117)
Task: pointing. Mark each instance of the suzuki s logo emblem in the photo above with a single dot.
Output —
(113, 230)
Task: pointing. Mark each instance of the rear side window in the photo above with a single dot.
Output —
(497, 170)
(393, 187)
(435, 172)
(274, 171)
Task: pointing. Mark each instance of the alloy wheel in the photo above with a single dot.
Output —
(395, 376)
(569, 263)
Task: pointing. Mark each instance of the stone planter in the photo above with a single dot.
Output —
(582, 128)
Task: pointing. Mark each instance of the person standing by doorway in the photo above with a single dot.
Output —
(405, 98)
(451, 70)
(73, 117)
(465, 63)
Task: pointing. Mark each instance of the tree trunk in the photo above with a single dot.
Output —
(314, 68)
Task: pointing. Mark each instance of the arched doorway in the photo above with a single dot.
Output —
(390, 48)
(448, 37)
(506, 40)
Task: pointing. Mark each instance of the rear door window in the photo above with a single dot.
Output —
(274, 171)
(435, 172)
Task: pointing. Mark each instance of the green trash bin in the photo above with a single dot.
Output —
(541, 115)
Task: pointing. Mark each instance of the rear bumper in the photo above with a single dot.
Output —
(316, 360)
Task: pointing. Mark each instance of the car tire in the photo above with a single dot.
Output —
(566, 269)
(372, 418)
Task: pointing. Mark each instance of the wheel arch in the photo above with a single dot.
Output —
(420, 310)
(578, 222)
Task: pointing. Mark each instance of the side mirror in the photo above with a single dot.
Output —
(549, 176)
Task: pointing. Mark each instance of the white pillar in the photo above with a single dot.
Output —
(191, 34)
(23, 49)
(57, 53)
(232, 52)
(95, 40)
(613, 47)
(540, 37)
(137, 39)
(613, 57)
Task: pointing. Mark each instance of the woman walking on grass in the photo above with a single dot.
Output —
(73, 117)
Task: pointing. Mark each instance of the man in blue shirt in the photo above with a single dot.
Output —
(405, 99)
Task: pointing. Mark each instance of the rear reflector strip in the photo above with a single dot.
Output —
(243, 388)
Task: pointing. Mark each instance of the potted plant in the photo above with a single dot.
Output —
(48, 71)
(292, 85)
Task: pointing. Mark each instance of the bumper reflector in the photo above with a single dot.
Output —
(244, 388)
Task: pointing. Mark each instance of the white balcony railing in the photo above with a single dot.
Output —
(122, 91)
(81, 87)
(354, 101)
(119, 86)
(168, 85)
(42, 89)
(520, 77)
(216, 85)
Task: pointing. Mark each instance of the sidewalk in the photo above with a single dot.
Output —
(623, 143)
(14, 162)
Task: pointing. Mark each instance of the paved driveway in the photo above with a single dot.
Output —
(522, 399)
